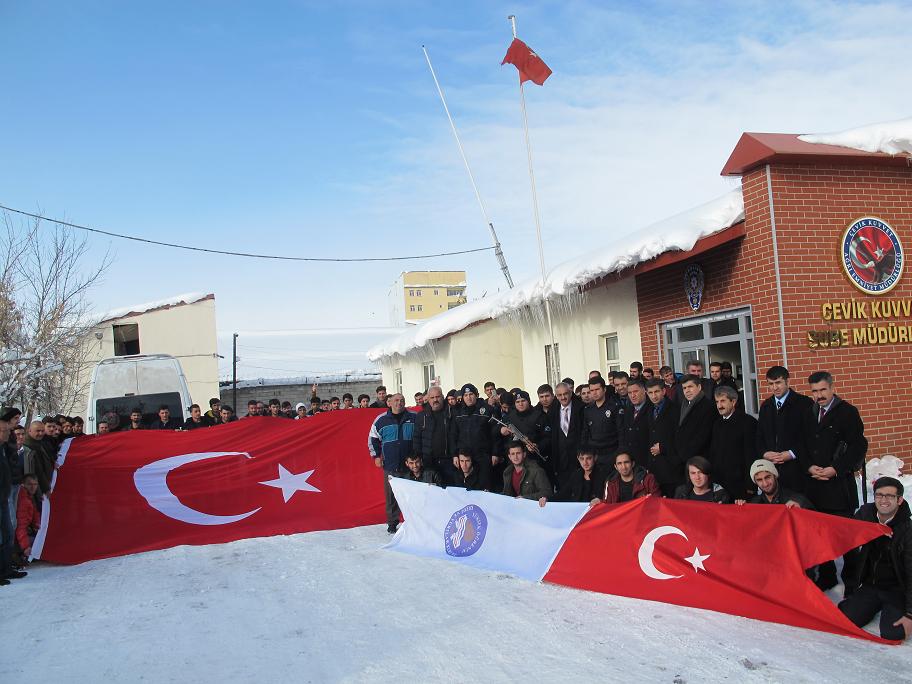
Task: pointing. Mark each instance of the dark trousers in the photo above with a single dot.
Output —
(862, 606)
(445, 468)
(486, 473)
(6, 540)
(392, 506)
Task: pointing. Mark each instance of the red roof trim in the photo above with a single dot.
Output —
(756, 149)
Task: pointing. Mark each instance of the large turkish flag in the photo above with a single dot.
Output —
(743, 560)
(137, 491)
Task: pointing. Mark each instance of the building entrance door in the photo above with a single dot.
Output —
(725, 336)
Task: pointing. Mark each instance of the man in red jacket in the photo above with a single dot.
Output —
(632, 482)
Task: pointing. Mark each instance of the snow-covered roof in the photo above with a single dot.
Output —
(679, 232)
(320, 379)
(891, 137)
(135, 309)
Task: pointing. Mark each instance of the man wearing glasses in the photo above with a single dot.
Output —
(881, 574)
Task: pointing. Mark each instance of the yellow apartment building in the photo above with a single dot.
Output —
(418, 295)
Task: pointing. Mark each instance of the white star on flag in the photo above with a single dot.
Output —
(290, 483)
(696, 560)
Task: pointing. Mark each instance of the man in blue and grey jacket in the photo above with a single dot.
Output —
(389, 442)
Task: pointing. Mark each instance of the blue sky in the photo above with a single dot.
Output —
(314, 129)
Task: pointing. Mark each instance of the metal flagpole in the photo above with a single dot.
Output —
(497, 249)
(555, 371)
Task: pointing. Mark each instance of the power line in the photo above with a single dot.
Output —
(240, 254)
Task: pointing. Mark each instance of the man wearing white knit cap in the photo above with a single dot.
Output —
(765, 475)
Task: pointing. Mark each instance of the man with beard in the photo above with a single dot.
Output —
(765, 475)
(632, 482)
(524, 479)
(732, 444)
(780, 429)
(431, 437)
(474, 431)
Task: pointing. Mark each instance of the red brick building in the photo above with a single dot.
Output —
(776, 290)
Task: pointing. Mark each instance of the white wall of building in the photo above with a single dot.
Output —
(185, 331)
(486, 351)
(606, 310)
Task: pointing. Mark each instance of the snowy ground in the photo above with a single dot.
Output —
(333, 606)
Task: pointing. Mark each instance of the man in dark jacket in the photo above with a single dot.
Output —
(467, 474)
(523, 478)
(389, 442)
(695, 420)
(196, 419)
(694, 368)
(165, 421)
(600, 426)
(529, 421)
(633, 423)
(431, 437)
(732, 445)
(663, 461)
(835, 447)
(566, 431)
(416, 472)
(699, 485)
(473, 430)
(880, 576)
(586, 483)
(780, 428)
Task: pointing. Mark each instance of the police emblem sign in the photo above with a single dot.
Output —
(872, 255)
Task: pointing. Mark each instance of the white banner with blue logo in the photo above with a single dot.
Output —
(488, 531)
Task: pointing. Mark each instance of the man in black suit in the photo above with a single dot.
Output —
(733, 444)
(780, 429)
(566, 430)
(835, 447)
(694, 368)
(695, 420)
(633, 424)
(663, 461)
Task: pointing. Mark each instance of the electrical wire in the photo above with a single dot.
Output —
(240, 254)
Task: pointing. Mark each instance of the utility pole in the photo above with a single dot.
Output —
(234, 372)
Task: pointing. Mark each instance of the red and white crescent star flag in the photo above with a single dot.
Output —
(128, 492)
(743, 560)
(531, 67)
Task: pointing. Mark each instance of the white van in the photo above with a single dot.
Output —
(146, 382)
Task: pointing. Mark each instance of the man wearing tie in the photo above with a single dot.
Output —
(566, 429)
(780, 432)
(835, 447)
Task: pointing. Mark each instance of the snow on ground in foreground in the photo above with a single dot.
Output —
(333, 606)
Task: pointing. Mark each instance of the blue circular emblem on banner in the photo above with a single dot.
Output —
(872, 255)
(465, 532)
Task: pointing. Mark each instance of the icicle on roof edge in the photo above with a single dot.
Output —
(679, 232)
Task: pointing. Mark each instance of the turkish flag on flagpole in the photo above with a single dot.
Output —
(530, 65)
(742, 560)
(129, 492)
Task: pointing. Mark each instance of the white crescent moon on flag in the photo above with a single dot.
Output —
(152, 482)
(647, 548)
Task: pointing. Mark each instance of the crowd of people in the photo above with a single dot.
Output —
(639, 434)
(603, 441)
